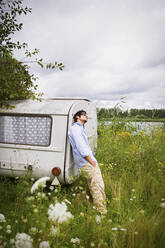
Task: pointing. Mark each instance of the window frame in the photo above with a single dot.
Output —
(30, 115)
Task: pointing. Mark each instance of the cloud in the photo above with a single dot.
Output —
(109, 48)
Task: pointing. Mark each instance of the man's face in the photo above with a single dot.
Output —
(83, 117)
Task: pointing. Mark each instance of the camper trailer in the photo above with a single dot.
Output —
(34, 137)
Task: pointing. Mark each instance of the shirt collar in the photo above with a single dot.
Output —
(79, 124)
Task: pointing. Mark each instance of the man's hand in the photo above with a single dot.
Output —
(93, 163)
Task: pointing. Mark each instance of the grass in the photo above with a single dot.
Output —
(133, 169)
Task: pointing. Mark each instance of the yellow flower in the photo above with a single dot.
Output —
(124, 134)
(160, 164)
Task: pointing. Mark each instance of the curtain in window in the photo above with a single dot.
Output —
(25, 130)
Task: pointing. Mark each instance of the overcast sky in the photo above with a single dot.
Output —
(110, 49)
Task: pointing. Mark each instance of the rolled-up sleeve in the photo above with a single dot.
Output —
(79, 142)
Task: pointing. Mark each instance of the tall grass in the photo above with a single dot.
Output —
(133, 169)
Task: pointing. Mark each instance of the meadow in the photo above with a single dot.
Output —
(133, 168)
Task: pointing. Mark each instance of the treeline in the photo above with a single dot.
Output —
(136, 113)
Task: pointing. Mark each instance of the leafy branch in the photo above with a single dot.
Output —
(16, 83)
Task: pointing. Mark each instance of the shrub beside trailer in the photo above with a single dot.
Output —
(34, 137)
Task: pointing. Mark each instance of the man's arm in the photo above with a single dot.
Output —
(81, 145)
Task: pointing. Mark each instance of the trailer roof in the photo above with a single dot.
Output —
(58, 106)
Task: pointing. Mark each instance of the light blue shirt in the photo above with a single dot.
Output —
(80, 145)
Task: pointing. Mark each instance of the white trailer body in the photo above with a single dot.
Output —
(34, 136)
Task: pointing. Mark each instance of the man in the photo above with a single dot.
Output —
(86, 161)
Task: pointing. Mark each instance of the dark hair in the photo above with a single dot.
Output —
(79, 113)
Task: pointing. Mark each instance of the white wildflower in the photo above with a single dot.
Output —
(131, 220)
(54, 231)
(49, 193)
(51, 188)
(8, 231)
(35, 210)
(12, 241)
(162, 205)
(114, 228)
(134, 197)
(43, 195)
(75, 241)
(44, 244)
(123, 229)
(30, 198)
(23, 240)
(109, 221)
(67, 201)
(8, 226)
(55, 199)
(133, 190)
(58, 212)
(24, 220)
(33, 230)
(39, 183)
(162, 199)
(2, 218)
(98, 219)
(87, 196)
(92, 244)
(131, 199)
(73, 194)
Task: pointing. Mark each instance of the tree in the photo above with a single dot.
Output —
(16, 83)
(15, 80)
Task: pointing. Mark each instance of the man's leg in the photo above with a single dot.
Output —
(96, 186)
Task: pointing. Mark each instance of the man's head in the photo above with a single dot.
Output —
(81, 116)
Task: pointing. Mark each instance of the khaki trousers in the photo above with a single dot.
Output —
(96, 186)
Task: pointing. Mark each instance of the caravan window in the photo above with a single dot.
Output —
(26, 130)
